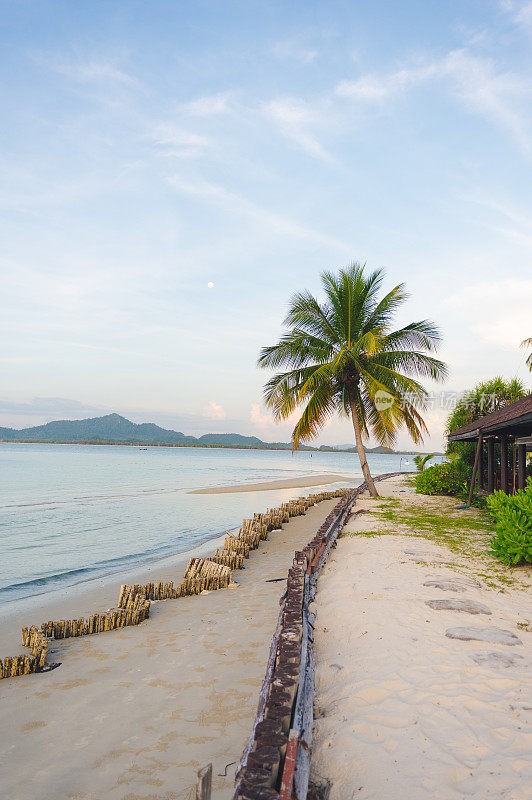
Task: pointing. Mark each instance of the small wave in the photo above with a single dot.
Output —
(102, 569)
(96, 498)
(44, 580)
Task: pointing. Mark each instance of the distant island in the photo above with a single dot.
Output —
(115, 429)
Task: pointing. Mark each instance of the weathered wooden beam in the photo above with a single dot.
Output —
(285, 792)
(491, 466)
(521, 466)
(475, 468)
(480, 471)
(204, 783)
(504, 463)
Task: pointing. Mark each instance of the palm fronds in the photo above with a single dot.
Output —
(528, 343)
(344, 357)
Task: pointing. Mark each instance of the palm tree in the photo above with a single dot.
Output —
(528, 343)
(343, 357)
(420, 461)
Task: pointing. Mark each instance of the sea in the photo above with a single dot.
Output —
(70, 513)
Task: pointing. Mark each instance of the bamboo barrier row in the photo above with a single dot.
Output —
(262, 773)
(206, 568)
(133, 613)
(229, 558)
(38, 638)
(24, 665)
(260, 776)
(202, 574)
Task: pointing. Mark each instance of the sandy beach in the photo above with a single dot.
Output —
(132, 714)
(264, 486)
(402, 710)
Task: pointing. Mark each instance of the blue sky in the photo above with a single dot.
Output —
(151, 149)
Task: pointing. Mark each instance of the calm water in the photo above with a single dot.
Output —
(70, 512)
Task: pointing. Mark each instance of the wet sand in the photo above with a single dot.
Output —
(264, 486)
(132, 714)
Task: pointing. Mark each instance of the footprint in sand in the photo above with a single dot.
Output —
(433, 579)
(492, 658)
(446, 586)
(495, 635)
(452, 604)
(32, 726)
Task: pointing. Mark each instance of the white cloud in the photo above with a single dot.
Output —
(278, 430)
(258, 418)
(237, 204)
(209, 105)
(294, 49)
(497, 312)
(523, 17)
(179, 143)
(213, 410)
(376, 88)
(94, 71)
(519, 231)
(293, 116)
(474, 80)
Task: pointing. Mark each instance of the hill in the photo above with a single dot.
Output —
(114, 429)
(110, 428)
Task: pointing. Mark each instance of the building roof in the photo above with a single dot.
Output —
(515, 418)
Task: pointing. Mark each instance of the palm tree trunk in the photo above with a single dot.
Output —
(361, 451)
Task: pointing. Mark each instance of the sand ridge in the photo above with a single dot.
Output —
(265, 486)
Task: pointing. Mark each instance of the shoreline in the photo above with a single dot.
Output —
(283, 483)
(130, 572)
(177, 559)
(143, 445)
(99, 590)
(137, 711)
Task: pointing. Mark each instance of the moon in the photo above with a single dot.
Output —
(210, 285)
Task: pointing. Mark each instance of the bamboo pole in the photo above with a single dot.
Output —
(204, 783)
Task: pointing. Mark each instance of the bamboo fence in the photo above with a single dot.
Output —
(133, 608)
(275, 764)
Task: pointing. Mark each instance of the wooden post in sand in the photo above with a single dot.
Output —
(204, 784)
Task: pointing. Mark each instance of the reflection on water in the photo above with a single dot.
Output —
(73, 511)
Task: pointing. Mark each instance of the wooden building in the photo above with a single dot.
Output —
(503, 436)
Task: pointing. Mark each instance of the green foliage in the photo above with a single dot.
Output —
(451, 478)
(485, 397)
(343, 356)
(528, 343)
(420, 461)
(477, 500)
(512, 543)
(447, 478)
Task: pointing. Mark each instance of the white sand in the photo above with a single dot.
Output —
(404, 713)
(132, 714)
(265, 486)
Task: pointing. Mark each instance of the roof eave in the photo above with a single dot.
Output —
(492, 429)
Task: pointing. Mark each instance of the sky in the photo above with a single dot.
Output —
(172, 172)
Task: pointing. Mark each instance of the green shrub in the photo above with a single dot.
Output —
(484, 398)
(447, 478)
(477, 500)
(512, 543)
(421, 461)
